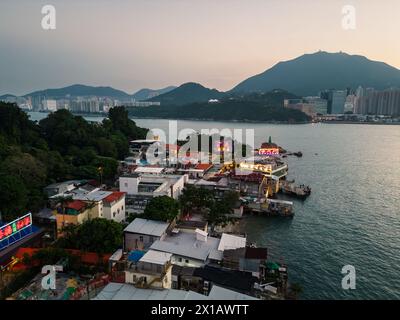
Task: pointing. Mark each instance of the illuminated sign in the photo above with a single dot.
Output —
(15, 227)
(222, 146)
(266, 168)
(268, 152)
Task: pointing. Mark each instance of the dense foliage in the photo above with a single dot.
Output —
(60, 147)
(162, 208)
(95, 235)
(254, 107)
(216, 208)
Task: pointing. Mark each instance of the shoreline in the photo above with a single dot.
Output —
(357, 122)
(104, 115)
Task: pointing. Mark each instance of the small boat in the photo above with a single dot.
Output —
(272, 207)
(290, 188)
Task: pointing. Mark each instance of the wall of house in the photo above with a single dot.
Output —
(153, 280)
(186, 262)
(178, 187)
(115, 211)
(66, 219)
(129, 184)
(136, 241)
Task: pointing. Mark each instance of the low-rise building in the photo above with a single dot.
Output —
(118, 291)
(75, 212)
(141, 188)
(114, 206)
(153, 270)
(245, 259)
(188, 249)
(141, 233)
(152, 185)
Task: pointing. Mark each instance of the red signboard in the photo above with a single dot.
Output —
(15, 226)
(268, 152)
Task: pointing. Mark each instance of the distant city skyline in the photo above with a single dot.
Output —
(131, 45)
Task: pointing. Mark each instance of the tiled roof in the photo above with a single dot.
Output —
(76, 205)
(115, 196)
(203, 166)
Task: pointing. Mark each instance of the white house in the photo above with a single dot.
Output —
(114, 206)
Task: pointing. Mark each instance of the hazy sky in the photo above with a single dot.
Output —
(131, 44)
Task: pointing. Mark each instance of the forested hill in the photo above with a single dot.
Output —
(266, 107)
(59, 147)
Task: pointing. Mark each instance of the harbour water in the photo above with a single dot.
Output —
(352, 216)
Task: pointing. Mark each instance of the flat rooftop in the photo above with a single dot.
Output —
(151, 170)
(230, 241)
(156, 257)
(186, 245)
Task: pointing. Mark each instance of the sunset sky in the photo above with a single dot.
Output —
(133, 44)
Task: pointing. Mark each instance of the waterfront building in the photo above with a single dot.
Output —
(299, 104)
(49, 105)
(374, 102)
(336, 100)
(319, 105)
(142, 104)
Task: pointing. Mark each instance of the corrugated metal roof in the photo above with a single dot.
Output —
(147, 227)
(118, 291)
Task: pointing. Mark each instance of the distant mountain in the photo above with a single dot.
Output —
(312, 73)
(145, 94)
(188, 93)
(81, 90)
(7, 96)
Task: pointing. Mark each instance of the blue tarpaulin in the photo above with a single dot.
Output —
(136, 255)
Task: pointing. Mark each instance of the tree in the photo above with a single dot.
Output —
(13, 197)
(222, 208)
(120, 121)
(95, 235)
(162, 208)
(30, 170)
(216, 210)
(198, 198)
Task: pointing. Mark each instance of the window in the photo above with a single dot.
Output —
(141, 238)
(126, 184)
(187, 260)
(179, 259)
(114, 214)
